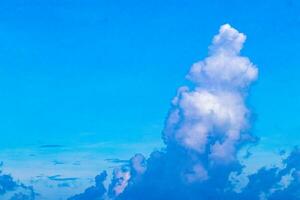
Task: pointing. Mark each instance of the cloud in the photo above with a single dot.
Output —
(96, 192)
(119, 182)
(224, 67)
(116, 160)
(211, 117)
(59, 178)
(276, 183)
(57, 162)
(51, 146)
(13, 190)
(207, 126)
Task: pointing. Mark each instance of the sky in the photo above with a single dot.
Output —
(87, 84)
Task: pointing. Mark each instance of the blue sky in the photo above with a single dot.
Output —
(92, 73)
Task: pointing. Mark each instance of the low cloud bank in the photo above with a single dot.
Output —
(13, 190)
(207, 126)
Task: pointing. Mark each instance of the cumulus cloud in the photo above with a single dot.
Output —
(96, 192)
(276, 183)
(212, 117)
(224, 67)
(119, 181)
(206, 127)
(13, 190)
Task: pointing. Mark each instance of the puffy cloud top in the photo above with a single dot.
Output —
(224, 67)
(211, 118)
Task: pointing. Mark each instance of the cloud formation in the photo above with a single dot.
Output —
(96, 192)
(211, 117)
(206, 127)
(13, 190)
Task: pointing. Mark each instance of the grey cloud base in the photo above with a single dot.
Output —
(13, 190)
(163, 180)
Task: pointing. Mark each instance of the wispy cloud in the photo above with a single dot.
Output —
(51, 146)
(116, 160)
(60, 178)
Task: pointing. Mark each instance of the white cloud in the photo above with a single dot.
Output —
(212, 116)
(224, 67)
